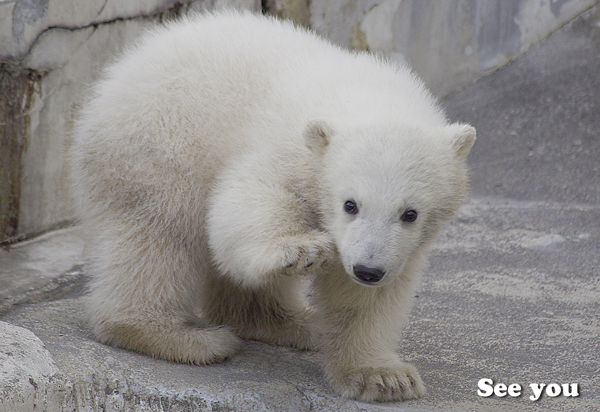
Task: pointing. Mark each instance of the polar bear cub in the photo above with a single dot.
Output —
(230, 158)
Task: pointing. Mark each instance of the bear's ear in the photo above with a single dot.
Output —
(317, 135)
(463, 137)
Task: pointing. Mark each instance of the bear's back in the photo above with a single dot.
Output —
(218, 74)
(193, 94)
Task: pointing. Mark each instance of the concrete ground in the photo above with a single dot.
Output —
(512, 294)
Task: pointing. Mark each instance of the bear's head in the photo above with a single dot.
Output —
(386, 190)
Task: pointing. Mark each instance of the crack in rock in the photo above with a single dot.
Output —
(175, 10)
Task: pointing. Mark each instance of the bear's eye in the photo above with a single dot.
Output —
(409, 216)
(350, 207)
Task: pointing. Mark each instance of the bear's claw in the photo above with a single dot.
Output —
(388, 383)
(308, 253)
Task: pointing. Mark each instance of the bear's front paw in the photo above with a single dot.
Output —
(387, 383)
(308, 253)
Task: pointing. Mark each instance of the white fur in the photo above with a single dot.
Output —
(212, 164)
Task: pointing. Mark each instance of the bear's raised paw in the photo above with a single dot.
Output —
(309, 253)
(387, 383)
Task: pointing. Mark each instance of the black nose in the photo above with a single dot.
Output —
(368, 275)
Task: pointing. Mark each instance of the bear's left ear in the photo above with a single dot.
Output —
(463, 137)
(317, 135)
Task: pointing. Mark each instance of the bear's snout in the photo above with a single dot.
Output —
(368, 275)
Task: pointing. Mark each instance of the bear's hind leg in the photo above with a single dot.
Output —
(142, 296)
(275, 313)
(179, 341)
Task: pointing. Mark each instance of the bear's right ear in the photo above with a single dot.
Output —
(463, 137)
(317, 135)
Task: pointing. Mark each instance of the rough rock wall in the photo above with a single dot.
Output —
(49, 51)
(449, 43)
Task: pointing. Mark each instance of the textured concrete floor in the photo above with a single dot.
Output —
(512, 293)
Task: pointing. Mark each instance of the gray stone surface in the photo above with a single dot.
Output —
(512, 293)
(449, 43)
(58, 47)
(28, 371)
(22, 22)
(538, 121)
(40, 269)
